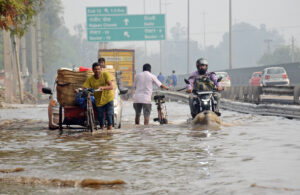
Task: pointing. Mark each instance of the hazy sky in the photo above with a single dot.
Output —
(280, 15)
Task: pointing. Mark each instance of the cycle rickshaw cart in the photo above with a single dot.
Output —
(70, 114)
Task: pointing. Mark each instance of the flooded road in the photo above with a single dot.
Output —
(249, 155)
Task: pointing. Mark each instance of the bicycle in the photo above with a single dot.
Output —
(90, 121)
(161, 109)
(90, 117)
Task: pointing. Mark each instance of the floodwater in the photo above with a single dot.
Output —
(249, 154)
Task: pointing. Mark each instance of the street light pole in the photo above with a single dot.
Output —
(230, 37)
(145, 41)
(188, 36)
(204, 41)
(160, 50)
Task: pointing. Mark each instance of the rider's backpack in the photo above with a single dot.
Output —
(203, 83)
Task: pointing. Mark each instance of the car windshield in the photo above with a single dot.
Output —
(275, 71)
(222, 74)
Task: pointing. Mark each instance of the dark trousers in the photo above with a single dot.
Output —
(109, 109)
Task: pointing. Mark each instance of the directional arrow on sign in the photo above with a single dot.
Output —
(126, 34)
(126, 21)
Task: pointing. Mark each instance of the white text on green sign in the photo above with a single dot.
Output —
(126, 21)
(135, 34)
(100, 11)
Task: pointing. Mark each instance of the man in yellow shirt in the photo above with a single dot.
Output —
(104, 98)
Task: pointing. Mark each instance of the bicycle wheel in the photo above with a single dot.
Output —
(91, 121)
(160, 117)
(163, 116)
(90, 118)
(165, 121)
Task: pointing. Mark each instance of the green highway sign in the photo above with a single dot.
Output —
(125, 21)
(112, 24)
(129, 34)
(100, 11)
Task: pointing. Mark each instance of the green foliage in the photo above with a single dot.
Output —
(17, 15)
(60, 48)
(280, 55)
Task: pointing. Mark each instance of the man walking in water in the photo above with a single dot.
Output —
(143, 86)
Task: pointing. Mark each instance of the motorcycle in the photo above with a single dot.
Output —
(161, 109)
(203, 100)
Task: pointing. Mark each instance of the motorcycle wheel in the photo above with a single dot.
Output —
(165, 121)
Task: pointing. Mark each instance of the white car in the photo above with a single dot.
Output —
(274, 76)
(225, 82)
(53, 107)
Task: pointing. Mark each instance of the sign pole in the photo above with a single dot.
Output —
(160, 50)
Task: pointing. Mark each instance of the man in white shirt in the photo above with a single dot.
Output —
(143, 86)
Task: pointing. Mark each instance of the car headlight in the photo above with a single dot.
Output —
(115, 103)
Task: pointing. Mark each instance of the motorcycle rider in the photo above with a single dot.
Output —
(201, 65)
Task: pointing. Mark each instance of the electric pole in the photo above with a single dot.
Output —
(293, 49)
(230, 37)
(188, 36)
(166, 51)
(204, 41)
(160, 49)
(145, 41)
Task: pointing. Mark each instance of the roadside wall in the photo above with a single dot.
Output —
(241, 76)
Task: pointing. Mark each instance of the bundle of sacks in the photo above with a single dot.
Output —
(68, 80)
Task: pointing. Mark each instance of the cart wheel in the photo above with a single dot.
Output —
(60, 120)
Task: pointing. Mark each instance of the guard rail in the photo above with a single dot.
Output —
(289, 111)
(253, 93)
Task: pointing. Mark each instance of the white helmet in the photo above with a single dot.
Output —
(202, 61)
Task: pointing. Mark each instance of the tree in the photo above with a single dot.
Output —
(280, 55)
(17, 15)
(60, 48)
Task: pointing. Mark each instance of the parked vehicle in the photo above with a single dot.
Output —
(255, 79)
(53, 107)
(225, 82)
(161, 109)
(274, 76)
